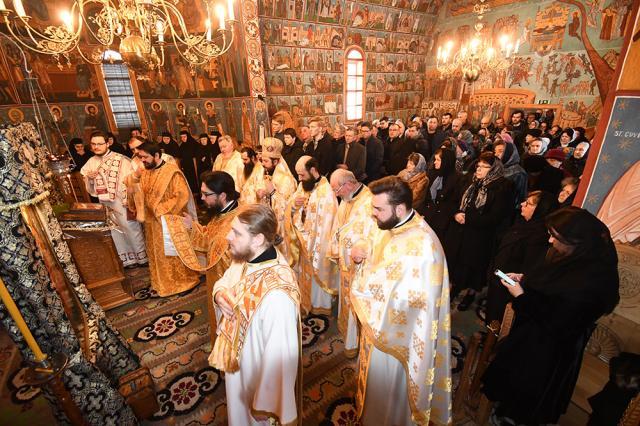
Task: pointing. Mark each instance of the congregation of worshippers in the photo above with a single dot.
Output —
(388, 227)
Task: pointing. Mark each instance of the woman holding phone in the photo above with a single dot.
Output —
(556, 307)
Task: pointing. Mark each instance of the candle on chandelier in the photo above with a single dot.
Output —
(67, 20)
(207, 24)
(160, 31)
(19, 7)
(220, 13)
(232, 14)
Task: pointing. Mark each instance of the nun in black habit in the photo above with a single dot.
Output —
(535, 370)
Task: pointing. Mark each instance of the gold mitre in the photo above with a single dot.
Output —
(271, 148)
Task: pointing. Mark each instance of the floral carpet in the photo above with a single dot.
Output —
(171, 336)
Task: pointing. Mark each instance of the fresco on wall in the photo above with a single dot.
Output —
(304, 60)
(232, 116)
(568, 53)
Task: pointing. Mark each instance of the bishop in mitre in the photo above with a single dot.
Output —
(166, 192)
(205, 248)
(353, 225)
(104, 175)
(311, 212)
(274, 187)
(229, 160)
(257, 303)
(401, 297)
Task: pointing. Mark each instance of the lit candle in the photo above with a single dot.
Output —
(220, 13)
(67, 20)
(232, 14)
(160, 31)
(17, 5)
(517, 46)
(19, 320)
(439, 53)
(207, 24)
(2, 6)
(73, 191)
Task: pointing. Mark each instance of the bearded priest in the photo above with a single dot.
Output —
(401, 298)
(258, 309)
(205, 248)
(312, 209)
(353, 225)
(273, 187)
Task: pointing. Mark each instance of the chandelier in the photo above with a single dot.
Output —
(478, 54)
(139, 29)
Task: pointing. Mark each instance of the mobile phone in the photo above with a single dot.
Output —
(505, 277)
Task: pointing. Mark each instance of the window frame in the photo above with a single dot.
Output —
(133, 97)
(346, 91)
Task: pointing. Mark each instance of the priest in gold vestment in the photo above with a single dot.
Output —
(258, 307)
(274, 187)
(229, 160)
(205, 248)
(401, 297)
(310, 215)
(353, 225)
(253, 174)
(166, 192)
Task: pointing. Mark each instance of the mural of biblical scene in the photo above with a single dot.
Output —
(567, 56)
(76, 83)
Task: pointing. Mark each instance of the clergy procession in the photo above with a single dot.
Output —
(378, 228)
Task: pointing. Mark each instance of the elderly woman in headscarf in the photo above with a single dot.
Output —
(416, 176)
(513, 171)
(556, 305)
(521, 248)
(485, 210)
(574, 165)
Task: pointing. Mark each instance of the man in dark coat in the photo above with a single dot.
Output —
(320, 147)
(352, 156)
(396, 151)
(375, 154)
(434, 135)
(535, 370)
(292, 150)
(414, 136)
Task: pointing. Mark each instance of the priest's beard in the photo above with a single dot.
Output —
(243, 254)
(248, 169)
(215, 209)
(389, 223)
(269, 171)
(309, 184)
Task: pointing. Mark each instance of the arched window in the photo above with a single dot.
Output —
(354, 99)
(121, 97)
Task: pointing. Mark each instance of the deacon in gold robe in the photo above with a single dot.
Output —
(166, 192)
(135, 195)
(274, 187)
(252, 174)
(353, 225)
(229, 160)
(205, 248)
(312, 209)
(401, 297)
(258, 307)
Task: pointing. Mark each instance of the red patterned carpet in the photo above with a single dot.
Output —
(171, 336)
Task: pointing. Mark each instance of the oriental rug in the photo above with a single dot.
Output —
(171, 337)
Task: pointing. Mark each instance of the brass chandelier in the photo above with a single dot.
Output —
(478, 54)
(139, 29)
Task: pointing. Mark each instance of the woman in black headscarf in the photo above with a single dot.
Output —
(204, 161)
(522, 248)
(534, 372)
(485, 210)
(443, 194)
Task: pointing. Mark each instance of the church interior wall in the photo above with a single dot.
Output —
(567, 57)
